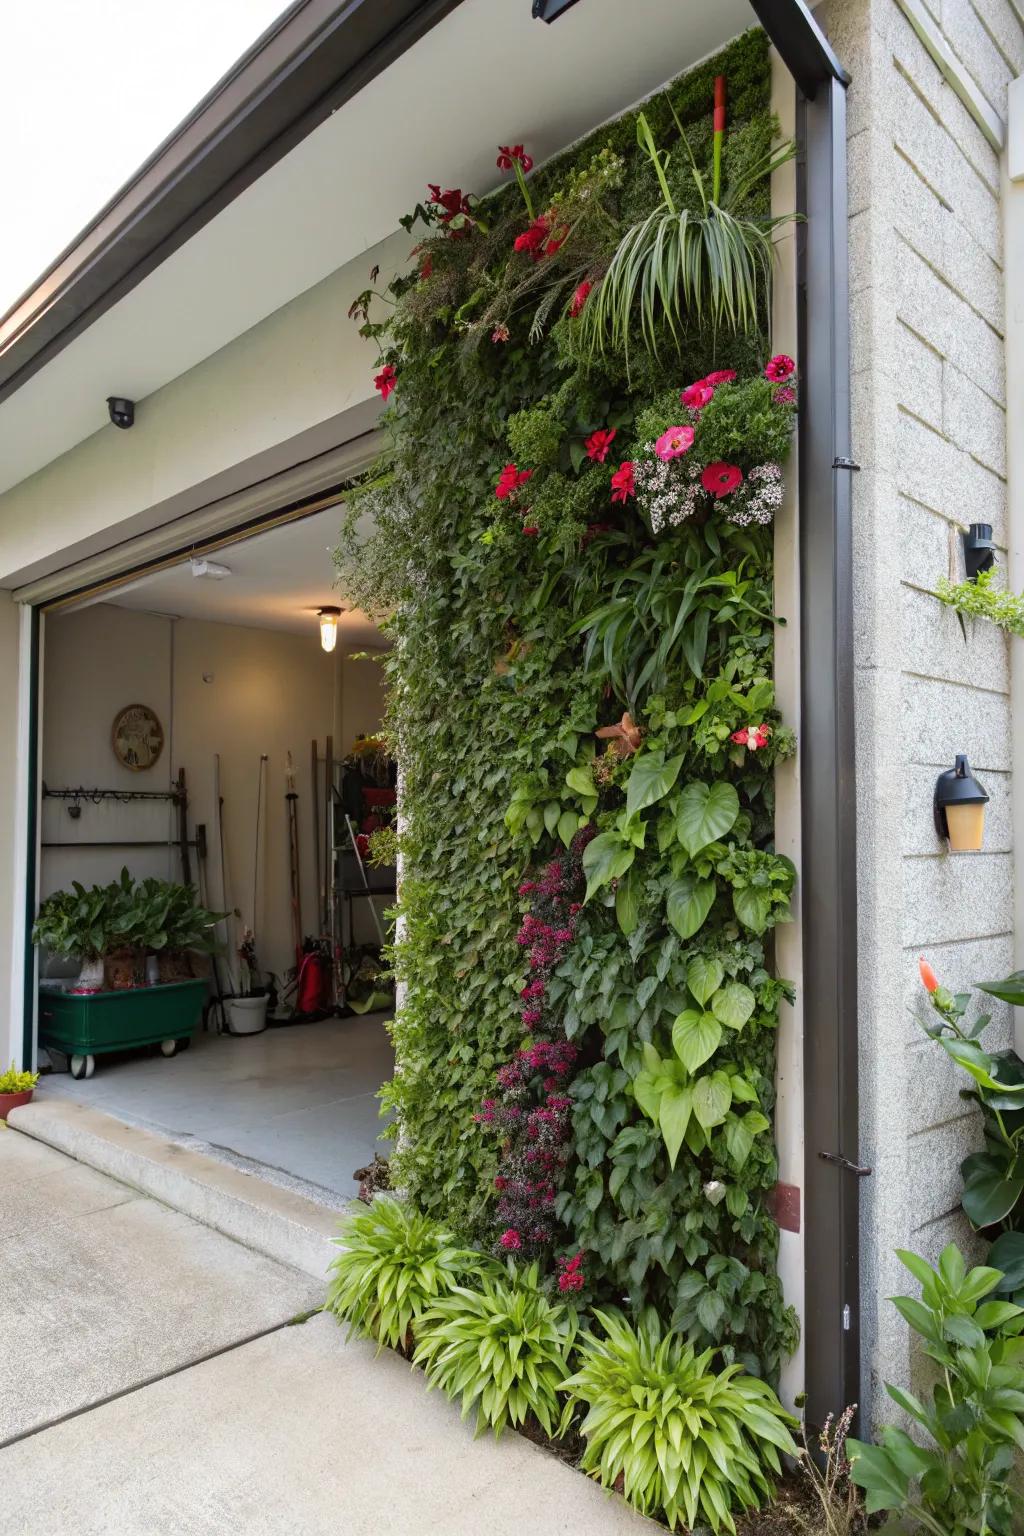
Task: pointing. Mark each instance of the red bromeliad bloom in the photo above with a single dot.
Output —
(579, 298)
(721, 478)
(722, 376)
(508, 156)
(510, 480)
(385, 381)
(696, 396)
(753, 738)
(779, 368)
(929, 980)
(598, 444)
(622, 482)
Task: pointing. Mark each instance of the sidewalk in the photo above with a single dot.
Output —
(158, 1390)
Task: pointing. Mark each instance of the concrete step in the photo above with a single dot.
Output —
(269, 1219)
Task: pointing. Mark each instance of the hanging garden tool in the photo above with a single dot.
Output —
(292, 802)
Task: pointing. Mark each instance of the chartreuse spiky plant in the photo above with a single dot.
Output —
(691, 1440)
(502, 1347)
(394, 1264)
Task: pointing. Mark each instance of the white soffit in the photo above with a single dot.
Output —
(488, 74)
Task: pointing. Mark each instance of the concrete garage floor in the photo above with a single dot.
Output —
(299, 1101)
(154, 1387)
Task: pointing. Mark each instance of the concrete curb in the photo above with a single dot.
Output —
(273, 1221)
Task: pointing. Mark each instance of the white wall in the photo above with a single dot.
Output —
(930, 434)
(269, 692)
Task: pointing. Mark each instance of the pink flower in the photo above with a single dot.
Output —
(510, 480)
(675, 441)
(696, 396)
(721, 478)
(508, 156)
(753, 738)
(385, 381)
(779, 368)
(784, 396)
(579, 298)
(511, 1240)
(722, 376)
(598, 444)
(929, 980)
(622, 484)
(500, 333)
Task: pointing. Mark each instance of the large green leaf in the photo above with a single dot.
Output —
(605, 858)
(753, 907)
(627, 900)
(991, 1190)
(581, 780)
(651, 779)
(874, 1470)
(705, 814)
(1009, 991)
(695, 1037)
(711, 1099)
(733, 1005)
(704, 977)
(1007, 1254)
(688, 903)
(673, 1117)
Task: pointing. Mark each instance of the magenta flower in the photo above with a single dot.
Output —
(676, 441)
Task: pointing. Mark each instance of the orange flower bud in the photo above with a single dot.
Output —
(929, 979)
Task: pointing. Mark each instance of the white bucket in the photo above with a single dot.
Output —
(247, 1015)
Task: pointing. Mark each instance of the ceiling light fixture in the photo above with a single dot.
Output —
(329, 627)
(209, 568)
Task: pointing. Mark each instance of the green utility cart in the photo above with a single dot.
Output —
(83, 1025)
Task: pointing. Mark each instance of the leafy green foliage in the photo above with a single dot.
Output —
(502, 1347)
(394, 1264)
(150, 914)
(691, 1439)
(983, 598)
(13, 1081)
(959, 1482)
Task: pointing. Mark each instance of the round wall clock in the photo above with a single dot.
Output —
(137, 737)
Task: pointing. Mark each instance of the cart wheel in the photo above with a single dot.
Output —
(82, 1066)
(170, 1047)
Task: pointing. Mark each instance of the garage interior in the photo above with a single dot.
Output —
(224, 650)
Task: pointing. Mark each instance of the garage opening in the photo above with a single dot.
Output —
(210, 744)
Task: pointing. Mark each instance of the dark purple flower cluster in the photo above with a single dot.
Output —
(532, 1114)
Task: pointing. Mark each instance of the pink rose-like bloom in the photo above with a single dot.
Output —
(720, 479)
(696, 396)
(676, 441)
(511, 1240)
(722, 376)
(779, 368)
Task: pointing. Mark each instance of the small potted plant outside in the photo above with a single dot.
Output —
(16, 1088)
(247, 1010)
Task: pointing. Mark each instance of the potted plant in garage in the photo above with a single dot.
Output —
(178, 929)
(15, 1088)
(247, 1009)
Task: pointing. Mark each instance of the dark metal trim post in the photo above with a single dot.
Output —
(828, 783)
(28, 1026)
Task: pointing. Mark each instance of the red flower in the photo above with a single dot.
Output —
(753, 737)
(721, 478)
(622, 482)
(579, 298)
(511, 1240)
(385, 381)
(510, 480)
(556, 242)
(508, 156)
(696, 396)
(570, 1280)
(779, 368)
(722, 376)
(598, 444)
(531, 530)
(929, 980)
(500, 333)
(533, 238)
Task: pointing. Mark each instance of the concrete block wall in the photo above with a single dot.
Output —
(929, 429)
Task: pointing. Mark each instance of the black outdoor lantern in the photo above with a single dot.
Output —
(959, 805)
(979, 550)
(550, 10)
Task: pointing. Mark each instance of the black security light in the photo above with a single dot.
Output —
(122, 410)
(959, 807)
(979, 550)
(550, 10)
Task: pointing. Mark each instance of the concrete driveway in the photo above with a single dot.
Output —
(152, 1383)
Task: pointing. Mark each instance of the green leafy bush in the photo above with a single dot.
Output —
(502, 1347)
(691, 1440)
(959, 1482)
(394, 1264)
(13, 1081)
(982, 598)
(151, 914)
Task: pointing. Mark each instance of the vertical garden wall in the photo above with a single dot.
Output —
(573, 540)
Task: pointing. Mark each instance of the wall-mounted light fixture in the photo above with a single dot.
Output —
(979, 550)
(550, 10)
(959, 807)
(329, 627)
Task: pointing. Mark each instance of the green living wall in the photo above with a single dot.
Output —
(576, 557)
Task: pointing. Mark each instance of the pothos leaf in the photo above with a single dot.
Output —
(706, 814)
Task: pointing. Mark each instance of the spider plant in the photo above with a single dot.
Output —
(713, 265)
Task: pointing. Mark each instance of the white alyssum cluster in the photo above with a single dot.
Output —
(667, 489)
(759, 498)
